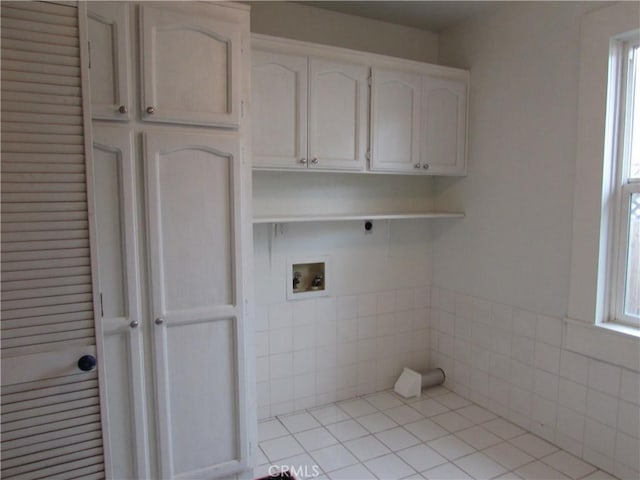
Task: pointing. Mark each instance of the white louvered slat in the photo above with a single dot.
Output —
(51, 422)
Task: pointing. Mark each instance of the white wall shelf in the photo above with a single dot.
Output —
(347, 217)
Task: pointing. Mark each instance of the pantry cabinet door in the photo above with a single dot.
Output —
(395, 121)
(444, 108)
(279, 106)
(337, 115)
(114, 189)
(194, 230)
(110, 45)
(190, 68)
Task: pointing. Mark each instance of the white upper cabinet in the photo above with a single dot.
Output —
(279, 102)
(395, 120)
(109, 41)
(337, 115)
(308, 112)
(444, 108)
(190, 68)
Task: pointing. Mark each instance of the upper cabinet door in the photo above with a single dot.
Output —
(395, 121)
(279, 106)
(109, 48)
(337, 115)
(191, 68)
(444, 108)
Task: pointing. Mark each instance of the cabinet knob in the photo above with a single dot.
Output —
(425, 166)
(314, 161)
(123, 109)
(151, 110)
(159, 321)
(134, 324)
(417, 165)
(303, 161)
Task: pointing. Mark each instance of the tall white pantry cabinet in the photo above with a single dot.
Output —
(171, 181)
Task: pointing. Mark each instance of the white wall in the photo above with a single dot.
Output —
(501, 276)
(311, 24)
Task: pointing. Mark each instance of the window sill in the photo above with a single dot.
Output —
(612, 343)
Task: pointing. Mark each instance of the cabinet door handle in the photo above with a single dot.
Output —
(303, 161)
(151, 110)
(314, 161)
(425, 166)
(123, 109)
(134, 324)
(417, 165)
(159, 321)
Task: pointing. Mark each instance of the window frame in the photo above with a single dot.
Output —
(621, 188)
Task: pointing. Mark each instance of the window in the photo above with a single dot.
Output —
(624, 193)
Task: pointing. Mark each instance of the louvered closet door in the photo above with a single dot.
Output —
(51, 424)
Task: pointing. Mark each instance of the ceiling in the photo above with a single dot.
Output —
(434, 16)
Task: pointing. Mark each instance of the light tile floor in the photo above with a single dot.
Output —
(383, 436)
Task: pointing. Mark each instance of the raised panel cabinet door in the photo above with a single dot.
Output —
(194, 229)
(190, 68)
(395, 121)
(337, 115)
(279, 106)
(444, 108)
(110, 46)
(114, 190)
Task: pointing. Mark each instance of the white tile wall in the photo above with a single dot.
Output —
(318, 351)
(512, 362)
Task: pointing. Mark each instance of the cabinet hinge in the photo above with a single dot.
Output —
(242, 109)
(101, 306)
(89, 53)
(369, 81)
(368, 155)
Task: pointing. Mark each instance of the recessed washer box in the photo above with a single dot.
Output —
(307, 277)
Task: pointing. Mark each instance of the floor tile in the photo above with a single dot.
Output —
(421, 457)
(397, 438)
(366, 448)
(426, 430)
(453, 401)
(508, 455)
(329, 414)
(533, 445)
(448, 471)
(333, 458)
(599, 475)
(315, 438)
(476, 414)
(347, 430)
(451, 447)
(479, 466)
(403, 414)
(299, 422)
(279, 448)
(354, 472)
(261, 458)
(566, 463)
(357, 408)
(436, 391)
(478, 437)
(389, 467)
(429, 407)
(271, 429)
(452, 422)
(376, 422)
(510, 476)
(383, 401)
(503, 428)
(539, 470)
